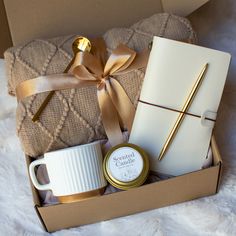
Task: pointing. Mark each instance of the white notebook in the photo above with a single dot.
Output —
(172, 70)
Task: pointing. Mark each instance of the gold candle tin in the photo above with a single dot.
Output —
(126, 166)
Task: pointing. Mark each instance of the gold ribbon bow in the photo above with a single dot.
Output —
(90, 69)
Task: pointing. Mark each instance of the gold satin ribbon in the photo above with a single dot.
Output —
(90, 69)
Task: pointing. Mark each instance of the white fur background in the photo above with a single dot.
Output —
(215, 215)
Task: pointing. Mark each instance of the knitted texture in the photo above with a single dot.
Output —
(72, 116)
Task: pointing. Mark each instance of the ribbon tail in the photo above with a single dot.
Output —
(109, 117)
(51, 83)
(121, 102)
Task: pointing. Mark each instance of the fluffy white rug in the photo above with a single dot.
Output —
(215, 215)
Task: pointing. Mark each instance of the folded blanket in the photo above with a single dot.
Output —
(73, 117)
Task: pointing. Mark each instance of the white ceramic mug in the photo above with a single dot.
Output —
(74, 173)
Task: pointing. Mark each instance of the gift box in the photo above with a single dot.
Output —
(163, 193)
(175, 190)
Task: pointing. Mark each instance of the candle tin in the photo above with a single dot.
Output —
(126, 166)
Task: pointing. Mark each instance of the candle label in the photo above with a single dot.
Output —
(125, 164)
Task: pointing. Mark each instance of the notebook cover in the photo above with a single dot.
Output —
(172, 70)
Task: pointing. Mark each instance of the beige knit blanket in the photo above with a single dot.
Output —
(72, 117)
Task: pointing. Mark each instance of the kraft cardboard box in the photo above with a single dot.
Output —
(175, 190)
(67, 20)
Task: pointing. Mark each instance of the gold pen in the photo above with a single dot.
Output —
(79, 44)
(185, 108)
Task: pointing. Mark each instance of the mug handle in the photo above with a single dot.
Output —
(34, 178)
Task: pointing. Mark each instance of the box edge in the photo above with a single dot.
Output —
(40, 218)
(216, 154)
(216, 185)
(213, 169)
(6, 36)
